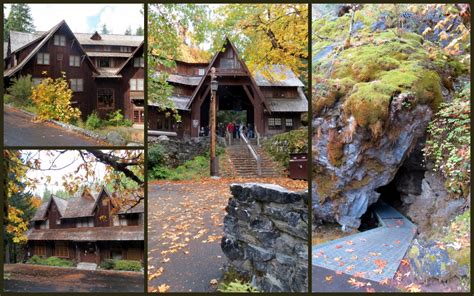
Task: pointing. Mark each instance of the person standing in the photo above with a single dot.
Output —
(230, 131)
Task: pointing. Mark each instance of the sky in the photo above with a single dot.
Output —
(69, 160)
(87, 18)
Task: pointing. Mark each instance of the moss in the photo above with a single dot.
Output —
(325, 186)
(461, 256)
(414, 252)
(335, 148)
(428, 89)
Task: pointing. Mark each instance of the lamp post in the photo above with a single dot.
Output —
(212, 123)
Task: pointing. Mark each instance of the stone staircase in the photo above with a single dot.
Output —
(246, 166)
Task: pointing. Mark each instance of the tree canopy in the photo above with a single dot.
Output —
(19, 19)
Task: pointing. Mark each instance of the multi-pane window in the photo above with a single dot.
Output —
(77, 84)
(74, 61)
(274, 122)
(125, 49)
(59, 40)
(59, 56)
(138, 116)
(201, 71)
(61, 249)
(105, 98)
(289, 122)
(136, 85)
(42, 58)
(138, 62)
(85, 222)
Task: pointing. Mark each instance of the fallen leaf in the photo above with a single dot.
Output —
(163, 288)
(328, 278)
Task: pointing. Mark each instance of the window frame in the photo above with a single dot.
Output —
(140, 63)
(74, 59)
(41, 58)
(134, 84)
(74, 84)
(112, 93)
(272, 123)
(59, 40)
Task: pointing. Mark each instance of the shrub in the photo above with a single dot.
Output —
(52, 98)
(280, 146)
(20, 91)
(156, 155)
(50, 261)
(129, 265)
(238, 286)
(107, 264)
(93, 121)
(115, 117)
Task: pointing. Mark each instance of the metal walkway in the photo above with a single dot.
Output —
(374, 254)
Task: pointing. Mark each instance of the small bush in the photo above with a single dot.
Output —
(156, 155)
(115, 117)
(20, 91)
(280, 146)
(128, 265)
(50, 261)
(107, 264)
(93, 121)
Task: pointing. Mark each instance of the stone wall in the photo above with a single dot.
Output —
(266, 236)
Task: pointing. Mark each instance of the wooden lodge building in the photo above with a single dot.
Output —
(272, 104)
(105, 72)
(86, 228)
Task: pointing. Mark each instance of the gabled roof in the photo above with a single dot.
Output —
(211, 64)
(296, 104)
(131, 57)
(81, 205)
(43, 208)
(48, 35)
(19, 39)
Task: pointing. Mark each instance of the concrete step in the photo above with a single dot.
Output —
(86, 266)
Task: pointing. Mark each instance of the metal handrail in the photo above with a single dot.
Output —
(253, 152)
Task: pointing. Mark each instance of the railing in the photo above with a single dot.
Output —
(253, 153)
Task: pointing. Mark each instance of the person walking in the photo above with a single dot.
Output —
(230, 132)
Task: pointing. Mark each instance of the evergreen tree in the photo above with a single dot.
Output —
(104, 29)
(19, 19)
(140, 31)
(128, 31)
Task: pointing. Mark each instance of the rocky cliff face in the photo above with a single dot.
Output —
(343, 190)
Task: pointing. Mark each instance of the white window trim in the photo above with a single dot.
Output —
(41, 58)
(77, 84)
(59, 40)
(137, 84)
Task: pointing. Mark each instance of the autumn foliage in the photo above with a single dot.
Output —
(52, 98)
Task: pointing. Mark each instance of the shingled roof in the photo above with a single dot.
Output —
(109, 39)
(277, 75)
(42, 41)
(20, 39)
(116, 233)
(43, 208)
(81, 205)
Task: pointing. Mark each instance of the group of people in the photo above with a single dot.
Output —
(231, 130)
(234, 130)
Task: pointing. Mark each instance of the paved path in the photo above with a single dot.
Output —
(184, 234)
(20, 130)
(374, 255)
(22, 278)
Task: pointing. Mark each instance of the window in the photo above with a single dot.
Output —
(77, 84)
(201, 71)
(289, 122)
(59, 40)
(39, 249)
(115, 220)
(37, 81)
(106, 48)
(44, 224)
(274, 122)
(136, 85)
(85, 222)
(125, 49)
(138, 116)
(74, 61)
(116, 254)
(43, 58)
(105, 98)
(61, 249)
(138, 62)
(104, 63)
(58, 221)
(59, 56)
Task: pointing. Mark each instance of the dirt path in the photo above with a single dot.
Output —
(20, 130)
(185, 229)
(36, 278)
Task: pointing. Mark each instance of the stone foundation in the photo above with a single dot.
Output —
(266, 236)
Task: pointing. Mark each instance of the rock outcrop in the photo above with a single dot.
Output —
(266, 236)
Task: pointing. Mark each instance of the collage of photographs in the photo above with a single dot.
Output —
(236, 147)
